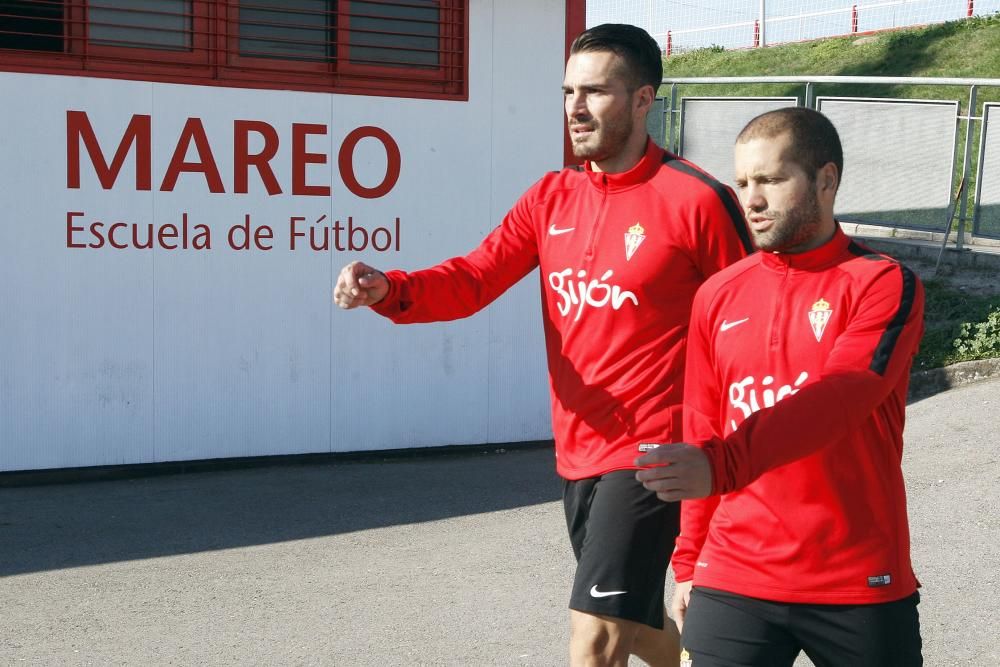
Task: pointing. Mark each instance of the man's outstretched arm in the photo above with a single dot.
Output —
(455, 288)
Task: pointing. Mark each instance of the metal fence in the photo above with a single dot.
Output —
(988, 183)
(907, 163)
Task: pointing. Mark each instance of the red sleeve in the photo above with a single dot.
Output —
(722, 236)
(461, 286)
(702, 397)
(869, 360)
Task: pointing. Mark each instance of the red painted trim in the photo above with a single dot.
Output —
(576, 22)
(206, 64)
(465, 62)
(342, 89)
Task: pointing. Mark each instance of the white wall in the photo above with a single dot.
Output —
(131, 356)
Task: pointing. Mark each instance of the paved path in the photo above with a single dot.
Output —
(443, 560)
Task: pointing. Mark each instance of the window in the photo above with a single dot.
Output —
(411, 48)
(31, 26)
(402, 35)
(298, 30)
(151, 24)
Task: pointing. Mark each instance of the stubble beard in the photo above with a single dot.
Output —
(608, 139)
(793, 227)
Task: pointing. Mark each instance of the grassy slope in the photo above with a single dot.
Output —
(968, 48)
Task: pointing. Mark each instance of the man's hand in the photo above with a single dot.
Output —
(359, 285)
(679, 471)
(679, 603)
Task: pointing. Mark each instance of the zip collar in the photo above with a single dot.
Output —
(810, 260)
(644, 170)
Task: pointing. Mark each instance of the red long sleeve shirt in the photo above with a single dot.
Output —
(621, 256)
(797, 371)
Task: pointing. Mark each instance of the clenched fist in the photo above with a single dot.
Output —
(359, 285)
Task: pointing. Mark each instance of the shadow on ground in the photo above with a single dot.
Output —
(72, 525)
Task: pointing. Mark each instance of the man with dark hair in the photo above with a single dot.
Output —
(640, 63)
(798, 363)
(622, 243)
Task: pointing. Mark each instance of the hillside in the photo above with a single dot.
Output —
(969, 48)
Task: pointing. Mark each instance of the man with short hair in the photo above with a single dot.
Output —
(622, 243)
(798, 363)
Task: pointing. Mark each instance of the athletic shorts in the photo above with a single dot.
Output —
(727, 630)
(623, 536)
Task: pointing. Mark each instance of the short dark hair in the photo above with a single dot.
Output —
(641, 53)
(814, 139)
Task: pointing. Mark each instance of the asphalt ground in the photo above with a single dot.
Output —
(459, 560)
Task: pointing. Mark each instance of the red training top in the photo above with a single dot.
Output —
(800, 362)
(621, 256)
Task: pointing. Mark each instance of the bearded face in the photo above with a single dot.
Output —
(780, 199)
(599, 105)
(791, 227)
(600, 137)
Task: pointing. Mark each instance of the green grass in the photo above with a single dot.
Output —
(945, 311)
(958, 49)
(968, 48)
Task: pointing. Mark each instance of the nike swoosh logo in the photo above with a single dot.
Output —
(555, 231)
(726, 326)
(594, 593)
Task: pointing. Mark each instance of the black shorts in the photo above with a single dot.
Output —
(727, 630)
(623, 536)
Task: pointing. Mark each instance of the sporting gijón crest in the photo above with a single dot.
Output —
(633, 239)
(819, 315)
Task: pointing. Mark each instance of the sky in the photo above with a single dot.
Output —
(700, 23)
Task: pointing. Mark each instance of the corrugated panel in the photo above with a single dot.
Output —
(988, 195)
(898, 159)
(709, 126)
